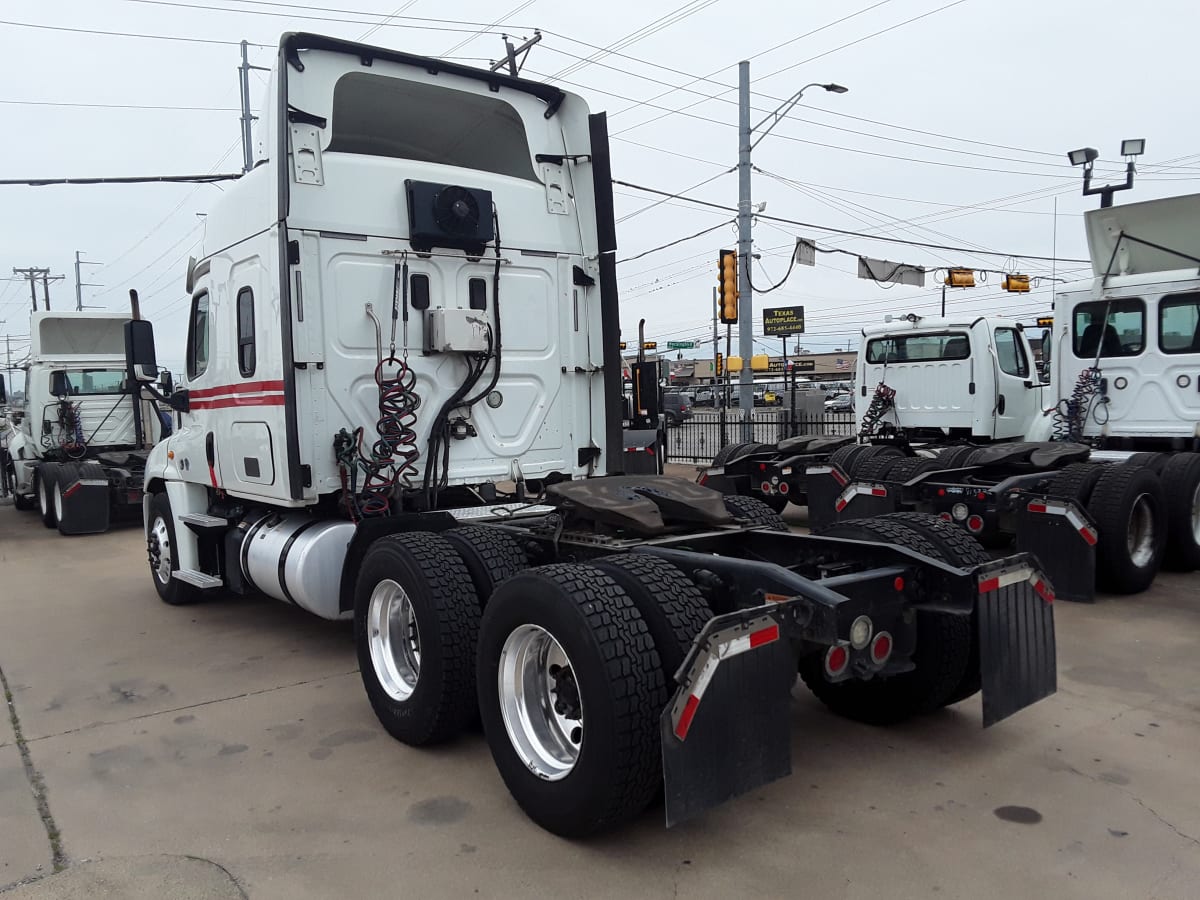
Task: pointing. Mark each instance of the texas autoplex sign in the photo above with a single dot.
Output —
(783, 320)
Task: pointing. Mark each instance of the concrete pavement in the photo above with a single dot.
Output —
(227, 750)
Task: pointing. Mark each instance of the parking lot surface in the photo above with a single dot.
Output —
(227, 750)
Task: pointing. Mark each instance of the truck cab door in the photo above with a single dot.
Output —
(1018, 388)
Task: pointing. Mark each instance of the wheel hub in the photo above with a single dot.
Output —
(394, 640)
(1140, 534)
(540, 702)
(158, 548)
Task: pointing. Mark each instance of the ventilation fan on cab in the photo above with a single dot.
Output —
(448, 215)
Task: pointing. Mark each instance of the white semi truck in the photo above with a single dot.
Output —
(402, 405)
(76, 452)
(1096, 466)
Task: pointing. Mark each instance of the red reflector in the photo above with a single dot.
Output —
(765, 487)
(840, 505)
(975, 524)
(881, 648)
(72, 489)
(1036, 507)
(783, 487)
(703, 479)
(685, 719)
(1088, 535)
(650, 450)
(878, 492)
(1044, 590)
(941, 492)
(839, 477)
(767, 635)
(898, 584)
(981, 496)
(946, 517)
(762, 467)
(989, 585)
(836, 659)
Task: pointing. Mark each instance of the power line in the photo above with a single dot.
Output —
(890, 240)
(127, 179)
(676, 241)
(58, 103)
(128, 34)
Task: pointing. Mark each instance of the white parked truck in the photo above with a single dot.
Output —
(76, 452)
(1096, 469)
(402, 405)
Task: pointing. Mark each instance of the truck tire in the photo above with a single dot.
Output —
(941, 657)
(754, 512)
(160, 548)
(1181, 477)
(416, 624)
(44, 480)
(909, 468)
(68, 473)
(1130, 510)
(846, 458)
(876, 467)
(1076, 482)
(491, 556)
(23, 503)
(956, 548)
(1155, 462)
(743, 448)
(955, 457)
(672, 606)
(570, 693)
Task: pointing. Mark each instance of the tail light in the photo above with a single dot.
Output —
(881, 648)
(975, 524)
(837, 658)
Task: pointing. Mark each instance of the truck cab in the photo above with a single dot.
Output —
(1126, 344)
(953, 378)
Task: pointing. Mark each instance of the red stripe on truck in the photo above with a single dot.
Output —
(244, 387)
(224, 402)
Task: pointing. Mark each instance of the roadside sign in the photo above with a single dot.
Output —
(681, 345)
(783, 320)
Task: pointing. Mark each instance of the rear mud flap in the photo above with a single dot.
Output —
(85, 502)
(1063, 538)
(1017, 654)
(727, 729)
(833, 498)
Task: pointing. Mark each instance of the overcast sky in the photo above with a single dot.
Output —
(954, 132)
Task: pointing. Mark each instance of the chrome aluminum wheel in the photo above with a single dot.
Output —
(1196, 514)
(394, 641)
(43, 497)
(540, 702)
(160, 550)
(1139, 536)
(58, 501)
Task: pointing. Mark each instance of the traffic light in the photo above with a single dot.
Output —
(727, 287)
(720, 364)
(960, 278)
(1016, 283)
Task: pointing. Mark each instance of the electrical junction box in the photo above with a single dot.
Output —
(457, 331)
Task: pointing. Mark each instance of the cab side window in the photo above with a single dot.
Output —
(199, 328)
(1179, 324)
(1010, 353)
(245, 332)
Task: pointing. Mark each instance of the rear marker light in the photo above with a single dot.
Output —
(941, 492)
(765, 487)
(898, 584)
(762, 467)
(1035, 507)
(960, 511)
(860, 632)
(946, 517)
(836, 660)
(981, 496)
(767, 635)
(975, 524)
(783, 487)
(881, 647)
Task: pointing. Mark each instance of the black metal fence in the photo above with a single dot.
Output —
(700, 437)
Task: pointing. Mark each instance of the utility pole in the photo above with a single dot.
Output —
(79, 285)
(33, 274)
(745, 291)
(510, 54)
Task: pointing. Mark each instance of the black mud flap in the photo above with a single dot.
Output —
(727, 730)
(85, 499)
(837, 498)
(825, 485)
(1063, 538)
(1017, 654)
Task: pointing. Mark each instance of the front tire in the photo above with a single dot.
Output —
(164, 555)
(570, 693)
(416, 622)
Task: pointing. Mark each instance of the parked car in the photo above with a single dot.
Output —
(677, 408)
(706, 397)
(840, 403)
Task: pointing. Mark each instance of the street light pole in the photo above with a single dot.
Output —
(745, 291)
(746, 145)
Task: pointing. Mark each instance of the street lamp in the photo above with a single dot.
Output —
(746, 144)
(1087, 157)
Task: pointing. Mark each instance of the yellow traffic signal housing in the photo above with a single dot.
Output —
(960, 278)
(650, 345)
(720, 363)
(1016, 283)
(727, 287)
(734, 364)
(621, 345)
(1045, 322)
(760, 362)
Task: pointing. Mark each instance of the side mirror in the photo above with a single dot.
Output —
(139, 351)
(3, 391)
(59, 386)
(166, 384)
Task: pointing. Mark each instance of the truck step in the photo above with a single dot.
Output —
(499, 511)
(202, 523)
(198, 579)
